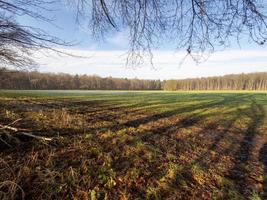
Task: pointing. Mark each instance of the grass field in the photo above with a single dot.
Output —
(133, 145)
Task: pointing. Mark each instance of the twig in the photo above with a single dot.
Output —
(8, 127)
(35, 136)
(12, 128)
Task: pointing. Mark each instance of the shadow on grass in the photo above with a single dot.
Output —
(150, 153)
(238, 173)
(191, 172)
(263, 159)
(241, 169)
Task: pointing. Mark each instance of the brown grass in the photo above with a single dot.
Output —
(177, 148)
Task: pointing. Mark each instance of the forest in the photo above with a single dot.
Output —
(14, 79)
(250, 81)
(61, 81)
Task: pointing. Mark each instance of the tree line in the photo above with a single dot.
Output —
(50, 81)
(251, 81)
(14, 79)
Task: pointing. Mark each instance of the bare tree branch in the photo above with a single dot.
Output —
(197, 26)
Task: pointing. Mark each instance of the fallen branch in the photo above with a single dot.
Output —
(35, 136)
(18, 132)
(8, 127)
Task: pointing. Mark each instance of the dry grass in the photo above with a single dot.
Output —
(134, 146)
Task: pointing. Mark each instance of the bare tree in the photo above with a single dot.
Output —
(17, 41)
(197, 26)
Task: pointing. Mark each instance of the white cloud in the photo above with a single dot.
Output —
(237, 55)
(112, 63)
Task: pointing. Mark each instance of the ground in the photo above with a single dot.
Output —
(133, 145)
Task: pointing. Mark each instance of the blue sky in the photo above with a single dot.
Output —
(107, 58)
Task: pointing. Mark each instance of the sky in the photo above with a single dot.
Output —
(108, 57)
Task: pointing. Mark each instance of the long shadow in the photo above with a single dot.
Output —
(239, 172)
(225, 101)
(263, 159)
(166, 131)
(150, 138)
(220, 136)
(189, 120)
(201, 105)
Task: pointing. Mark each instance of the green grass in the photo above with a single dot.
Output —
(134, 145)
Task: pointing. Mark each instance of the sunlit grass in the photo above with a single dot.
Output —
(134, 145)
